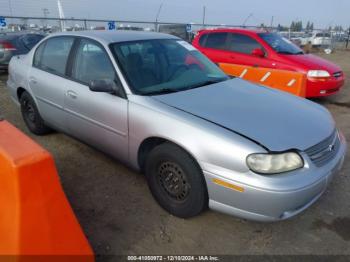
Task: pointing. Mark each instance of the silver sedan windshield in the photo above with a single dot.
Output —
(164, 66)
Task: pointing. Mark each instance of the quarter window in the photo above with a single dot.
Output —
(92, 63)
(243, 44)
(38, 55)
(52, 56)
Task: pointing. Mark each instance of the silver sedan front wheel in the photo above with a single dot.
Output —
(176, 181)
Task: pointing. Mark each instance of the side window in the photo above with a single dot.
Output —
(92, 63)
(216, 41)
(243, 44)
(38, 55)
(52, 56)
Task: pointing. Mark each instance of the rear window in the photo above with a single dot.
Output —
(216, 40)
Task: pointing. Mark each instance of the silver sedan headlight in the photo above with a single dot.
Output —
(274, 163)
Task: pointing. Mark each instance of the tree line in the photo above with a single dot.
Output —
(297, 26)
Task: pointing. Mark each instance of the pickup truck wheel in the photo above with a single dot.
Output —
(176, 181)
(31, 115)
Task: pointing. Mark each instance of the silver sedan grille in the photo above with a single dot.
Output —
(324, 151)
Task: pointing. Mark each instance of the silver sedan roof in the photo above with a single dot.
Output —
(118, 35)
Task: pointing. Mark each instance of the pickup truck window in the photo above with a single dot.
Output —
(323, 35)
(92, 63)
(53, 54)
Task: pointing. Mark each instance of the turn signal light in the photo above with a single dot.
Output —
(228, 185)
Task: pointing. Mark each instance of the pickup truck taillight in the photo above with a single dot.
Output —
(6, 46)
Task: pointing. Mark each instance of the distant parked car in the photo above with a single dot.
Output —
(296, 41)
(301, 40)
(202, 139)
(16, 44)
(270, 50)
(320, 39)
(176, 30)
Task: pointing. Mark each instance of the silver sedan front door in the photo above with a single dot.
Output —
(98, 118)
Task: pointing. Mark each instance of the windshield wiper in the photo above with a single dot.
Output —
(285, 52)
(205, 83)
(161, 91)
(290, 53)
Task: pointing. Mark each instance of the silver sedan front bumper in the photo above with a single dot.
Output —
(271, 198)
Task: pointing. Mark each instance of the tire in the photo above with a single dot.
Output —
(31, 116)
(176, 181)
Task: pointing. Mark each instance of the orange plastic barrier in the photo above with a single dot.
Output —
(288, 81)
(36, 218)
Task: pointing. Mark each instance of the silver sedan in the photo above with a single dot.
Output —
(202, 139)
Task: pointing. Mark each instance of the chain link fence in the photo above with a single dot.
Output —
(317, 39)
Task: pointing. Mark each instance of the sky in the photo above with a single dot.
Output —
(323, 13)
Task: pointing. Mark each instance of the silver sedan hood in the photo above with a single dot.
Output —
(276, 120)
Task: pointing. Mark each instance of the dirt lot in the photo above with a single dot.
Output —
(119, 215)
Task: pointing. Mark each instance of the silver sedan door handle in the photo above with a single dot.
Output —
(72, 94)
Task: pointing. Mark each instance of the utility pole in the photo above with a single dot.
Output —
(157, 16)
(271, 25)
(347, 41)
(289, 33)
(45, 12)
(203, 22)
(85, 24)
(10, 7)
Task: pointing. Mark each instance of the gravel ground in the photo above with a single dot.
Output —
(119, 215)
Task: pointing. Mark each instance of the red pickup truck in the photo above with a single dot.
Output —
(260, 48)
